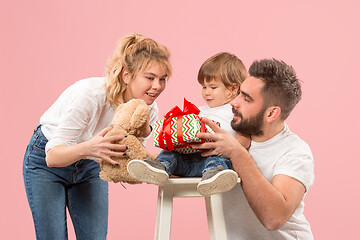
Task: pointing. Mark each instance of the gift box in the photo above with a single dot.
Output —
(178, 129)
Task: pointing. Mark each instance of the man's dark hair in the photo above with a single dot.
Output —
(282, 88)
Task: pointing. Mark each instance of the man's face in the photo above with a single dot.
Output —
(248, 108)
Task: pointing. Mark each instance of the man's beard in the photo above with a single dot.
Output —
(250, 126)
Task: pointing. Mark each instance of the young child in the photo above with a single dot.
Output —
(220, 76)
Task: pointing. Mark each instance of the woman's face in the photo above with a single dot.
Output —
(146, 85)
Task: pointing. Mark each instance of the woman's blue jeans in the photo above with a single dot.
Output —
(50, 190)
(190, 165)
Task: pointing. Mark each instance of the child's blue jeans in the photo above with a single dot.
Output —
(190, 165)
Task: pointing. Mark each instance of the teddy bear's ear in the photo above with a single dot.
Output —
(140, 116)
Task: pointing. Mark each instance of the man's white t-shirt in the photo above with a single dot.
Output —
(222, 114)
(284, 154)
(80, 113)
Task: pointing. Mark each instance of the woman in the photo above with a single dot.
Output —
(58, 168)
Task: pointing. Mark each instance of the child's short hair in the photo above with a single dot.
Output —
(225, 66)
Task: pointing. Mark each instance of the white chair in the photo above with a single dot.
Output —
(182, 188)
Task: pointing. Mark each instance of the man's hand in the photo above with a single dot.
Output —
(223, 143)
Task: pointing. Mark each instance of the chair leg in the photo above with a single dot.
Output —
(158, 212)
(209, 218)
(215, 215)
(164, 213)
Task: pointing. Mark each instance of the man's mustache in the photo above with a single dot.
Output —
(236, 113)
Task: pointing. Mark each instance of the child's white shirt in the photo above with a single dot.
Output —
(222, 114)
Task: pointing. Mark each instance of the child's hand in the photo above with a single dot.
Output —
(244, 140)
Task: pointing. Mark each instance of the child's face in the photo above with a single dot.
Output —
(215, 93)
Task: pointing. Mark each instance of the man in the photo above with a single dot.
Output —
(277, 170)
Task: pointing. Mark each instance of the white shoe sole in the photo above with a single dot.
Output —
(222, 182)
(144, 172)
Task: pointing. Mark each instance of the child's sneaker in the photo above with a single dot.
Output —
(217, 180)
(148, 171)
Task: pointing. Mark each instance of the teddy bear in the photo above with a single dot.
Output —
(131, 119)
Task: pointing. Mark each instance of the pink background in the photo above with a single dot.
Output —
(48, 45)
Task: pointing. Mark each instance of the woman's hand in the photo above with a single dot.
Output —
(105, 147)
(99, 146)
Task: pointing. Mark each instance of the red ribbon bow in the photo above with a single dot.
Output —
(165, 132)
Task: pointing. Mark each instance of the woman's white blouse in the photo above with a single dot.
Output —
(80, 113)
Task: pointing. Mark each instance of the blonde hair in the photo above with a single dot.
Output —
(133, 53)
(225, 66)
